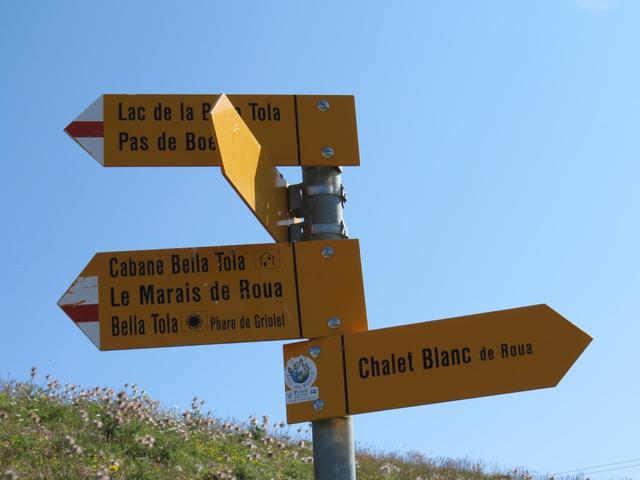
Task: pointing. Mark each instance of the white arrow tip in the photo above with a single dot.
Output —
(88, 130)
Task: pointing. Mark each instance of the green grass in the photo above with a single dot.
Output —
(65, 432)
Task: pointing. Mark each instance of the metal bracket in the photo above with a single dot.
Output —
(294, 194)
(337, 229)
(306, 230)
(296, 232)
(312, 190)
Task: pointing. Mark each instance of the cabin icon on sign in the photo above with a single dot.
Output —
(267, 259)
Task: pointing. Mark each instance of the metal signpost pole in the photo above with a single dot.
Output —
(322, 203)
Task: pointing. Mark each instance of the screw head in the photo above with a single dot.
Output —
(334, 322)
(318, 405)
(327, 252)
(314, 351)
(327, 152)
(323, 105)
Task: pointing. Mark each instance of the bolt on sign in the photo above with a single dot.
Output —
(210, 295)
(175, 130)
(473, 356)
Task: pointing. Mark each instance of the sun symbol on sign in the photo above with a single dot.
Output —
(194, 321)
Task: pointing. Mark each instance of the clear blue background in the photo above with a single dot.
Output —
(499, 144)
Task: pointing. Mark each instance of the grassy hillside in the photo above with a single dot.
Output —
(50, 431)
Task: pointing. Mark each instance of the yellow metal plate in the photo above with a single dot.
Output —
(175, 130)
(247, 169)
(331, 286)
(314, 372)
(478, 355)
(332, 126)
(193, 296)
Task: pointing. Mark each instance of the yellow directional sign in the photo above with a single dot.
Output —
(210, 295)
(472, 356)
(175, 131)
(247, 169)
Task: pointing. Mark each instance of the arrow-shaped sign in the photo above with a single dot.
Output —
(246, 167)
(472, 356)
(209, 295)
(175, 131)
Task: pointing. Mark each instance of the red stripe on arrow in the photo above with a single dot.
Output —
(85, 129)
(82, 313)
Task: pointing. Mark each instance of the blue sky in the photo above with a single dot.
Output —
(499, 145)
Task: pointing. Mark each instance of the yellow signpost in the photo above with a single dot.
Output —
(175, 130)
(210, 295)
(311, 289)
(472, 356)
(247, 169)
